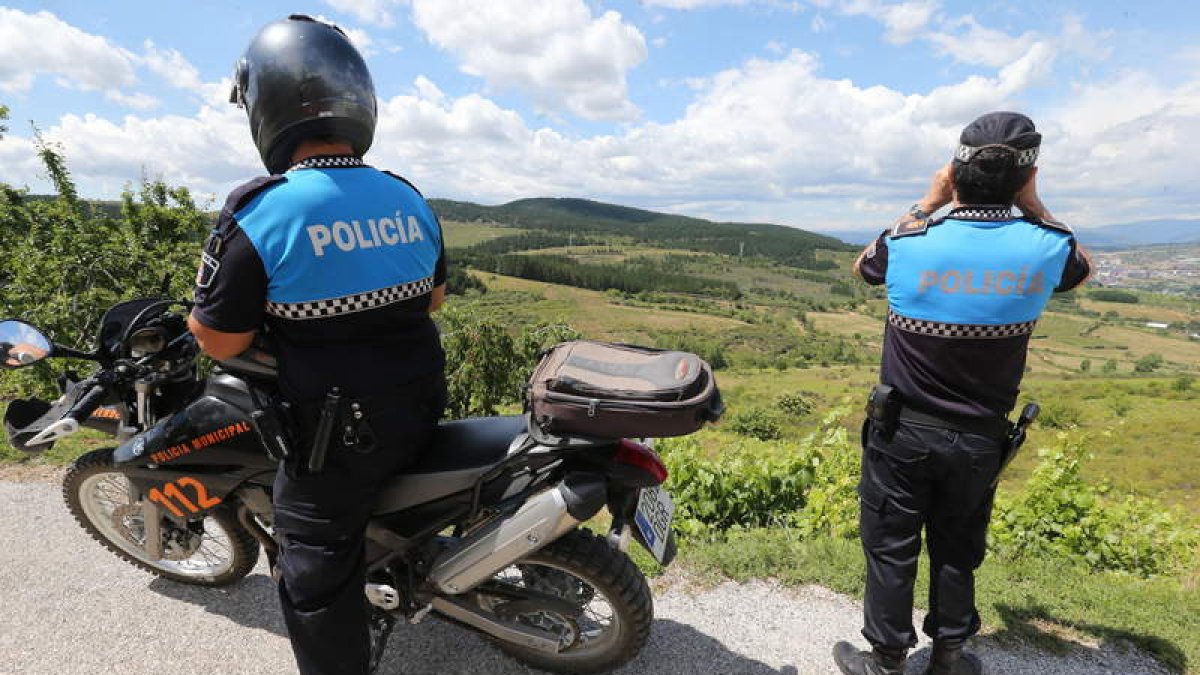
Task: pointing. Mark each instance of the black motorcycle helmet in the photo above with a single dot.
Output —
(301, 78)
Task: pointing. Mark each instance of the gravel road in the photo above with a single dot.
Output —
(69, 606)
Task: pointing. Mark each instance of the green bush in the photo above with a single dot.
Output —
(63, 262)
(749, 483)
(795, 404)
(708, 349)
(1059, 415)
(1148, 363)
(1059, 514)
(755, 422)
(831, 506)
(486, 366)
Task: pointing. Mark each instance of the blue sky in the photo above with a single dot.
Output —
(823, 114)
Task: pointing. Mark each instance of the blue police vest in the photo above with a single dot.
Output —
(341, 241)
(989, 274)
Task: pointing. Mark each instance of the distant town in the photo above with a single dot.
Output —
(1173, 269)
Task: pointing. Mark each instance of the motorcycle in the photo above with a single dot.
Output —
(484, 531)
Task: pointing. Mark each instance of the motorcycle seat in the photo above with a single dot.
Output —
(460, 452)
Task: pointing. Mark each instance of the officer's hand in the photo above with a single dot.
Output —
(941, 190)
(1028, 201)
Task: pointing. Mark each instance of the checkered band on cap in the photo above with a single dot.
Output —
(340, 162)
(981, 213)
(349, 304)
(953, 330)
(1026, 157)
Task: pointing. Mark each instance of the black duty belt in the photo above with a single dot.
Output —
(992, 427)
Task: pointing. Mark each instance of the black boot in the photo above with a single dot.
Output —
(853, 661)
(948, 658)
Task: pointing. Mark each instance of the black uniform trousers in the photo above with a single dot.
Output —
(320, 521)
(940, 481)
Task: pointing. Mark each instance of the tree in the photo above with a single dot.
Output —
(1148, 363)
(63, 262)
(3, 117)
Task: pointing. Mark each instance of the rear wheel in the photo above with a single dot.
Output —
(610, 592)
(214, 551)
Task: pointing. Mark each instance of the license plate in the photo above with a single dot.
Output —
(655, 510)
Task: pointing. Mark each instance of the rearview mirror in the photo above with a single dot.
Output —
(22, 345)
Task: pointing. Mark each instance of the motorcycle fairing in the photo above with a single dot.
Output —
(203, 452)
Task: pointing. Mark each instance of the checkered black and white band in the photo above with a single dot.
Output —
(952, 330)
(981, 213)
(339, 162)
(1025, 157)
(349, 304)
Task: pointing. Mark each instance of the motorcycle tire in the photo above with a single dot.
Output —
(85, 477)
(606, 572)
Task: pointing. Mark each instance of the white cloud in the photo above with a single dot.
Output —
(558, 53)
(376, 12)
(966, 41)
(793, 7)
(137, 101)
(177, 71)
(42, 44)
(902, 21)
(692, 4)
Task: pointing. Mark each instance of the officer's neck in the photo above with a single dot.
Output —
(315, 148)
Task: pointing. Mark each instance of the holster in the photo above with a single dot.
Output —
(883, 409)
(1016, 437)
(274, 425)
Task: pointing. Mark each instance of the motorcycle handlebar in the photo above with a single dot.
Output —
(88, 403)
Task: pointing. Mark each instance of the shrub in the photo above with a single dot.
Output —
(756, 422)
(1060, 514)
(1059, 415)
(706, 348)
(831, 507)
(1148, 363)
(747, 484)
(1118, 402)
(1183, 383)
(486, 366)
(795, 404)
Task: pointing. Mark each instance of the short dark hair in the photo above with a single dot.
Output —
(990, 177)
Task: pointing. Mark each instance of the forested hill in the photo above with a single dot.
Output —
(786, 245)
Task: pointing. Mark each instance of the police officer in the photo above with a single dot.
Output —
(340, 265)
(964, 293)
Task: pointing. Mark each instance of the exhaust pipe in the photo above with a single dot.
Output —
(542, 519)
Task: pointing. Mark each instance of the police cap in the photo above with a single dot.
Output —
(1001, 129)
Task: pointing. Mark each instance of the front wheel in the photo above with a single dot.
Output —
(614, 602)
(213, 552)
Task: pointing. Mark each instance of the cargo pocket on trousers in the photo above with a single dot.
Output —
(883, 523)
